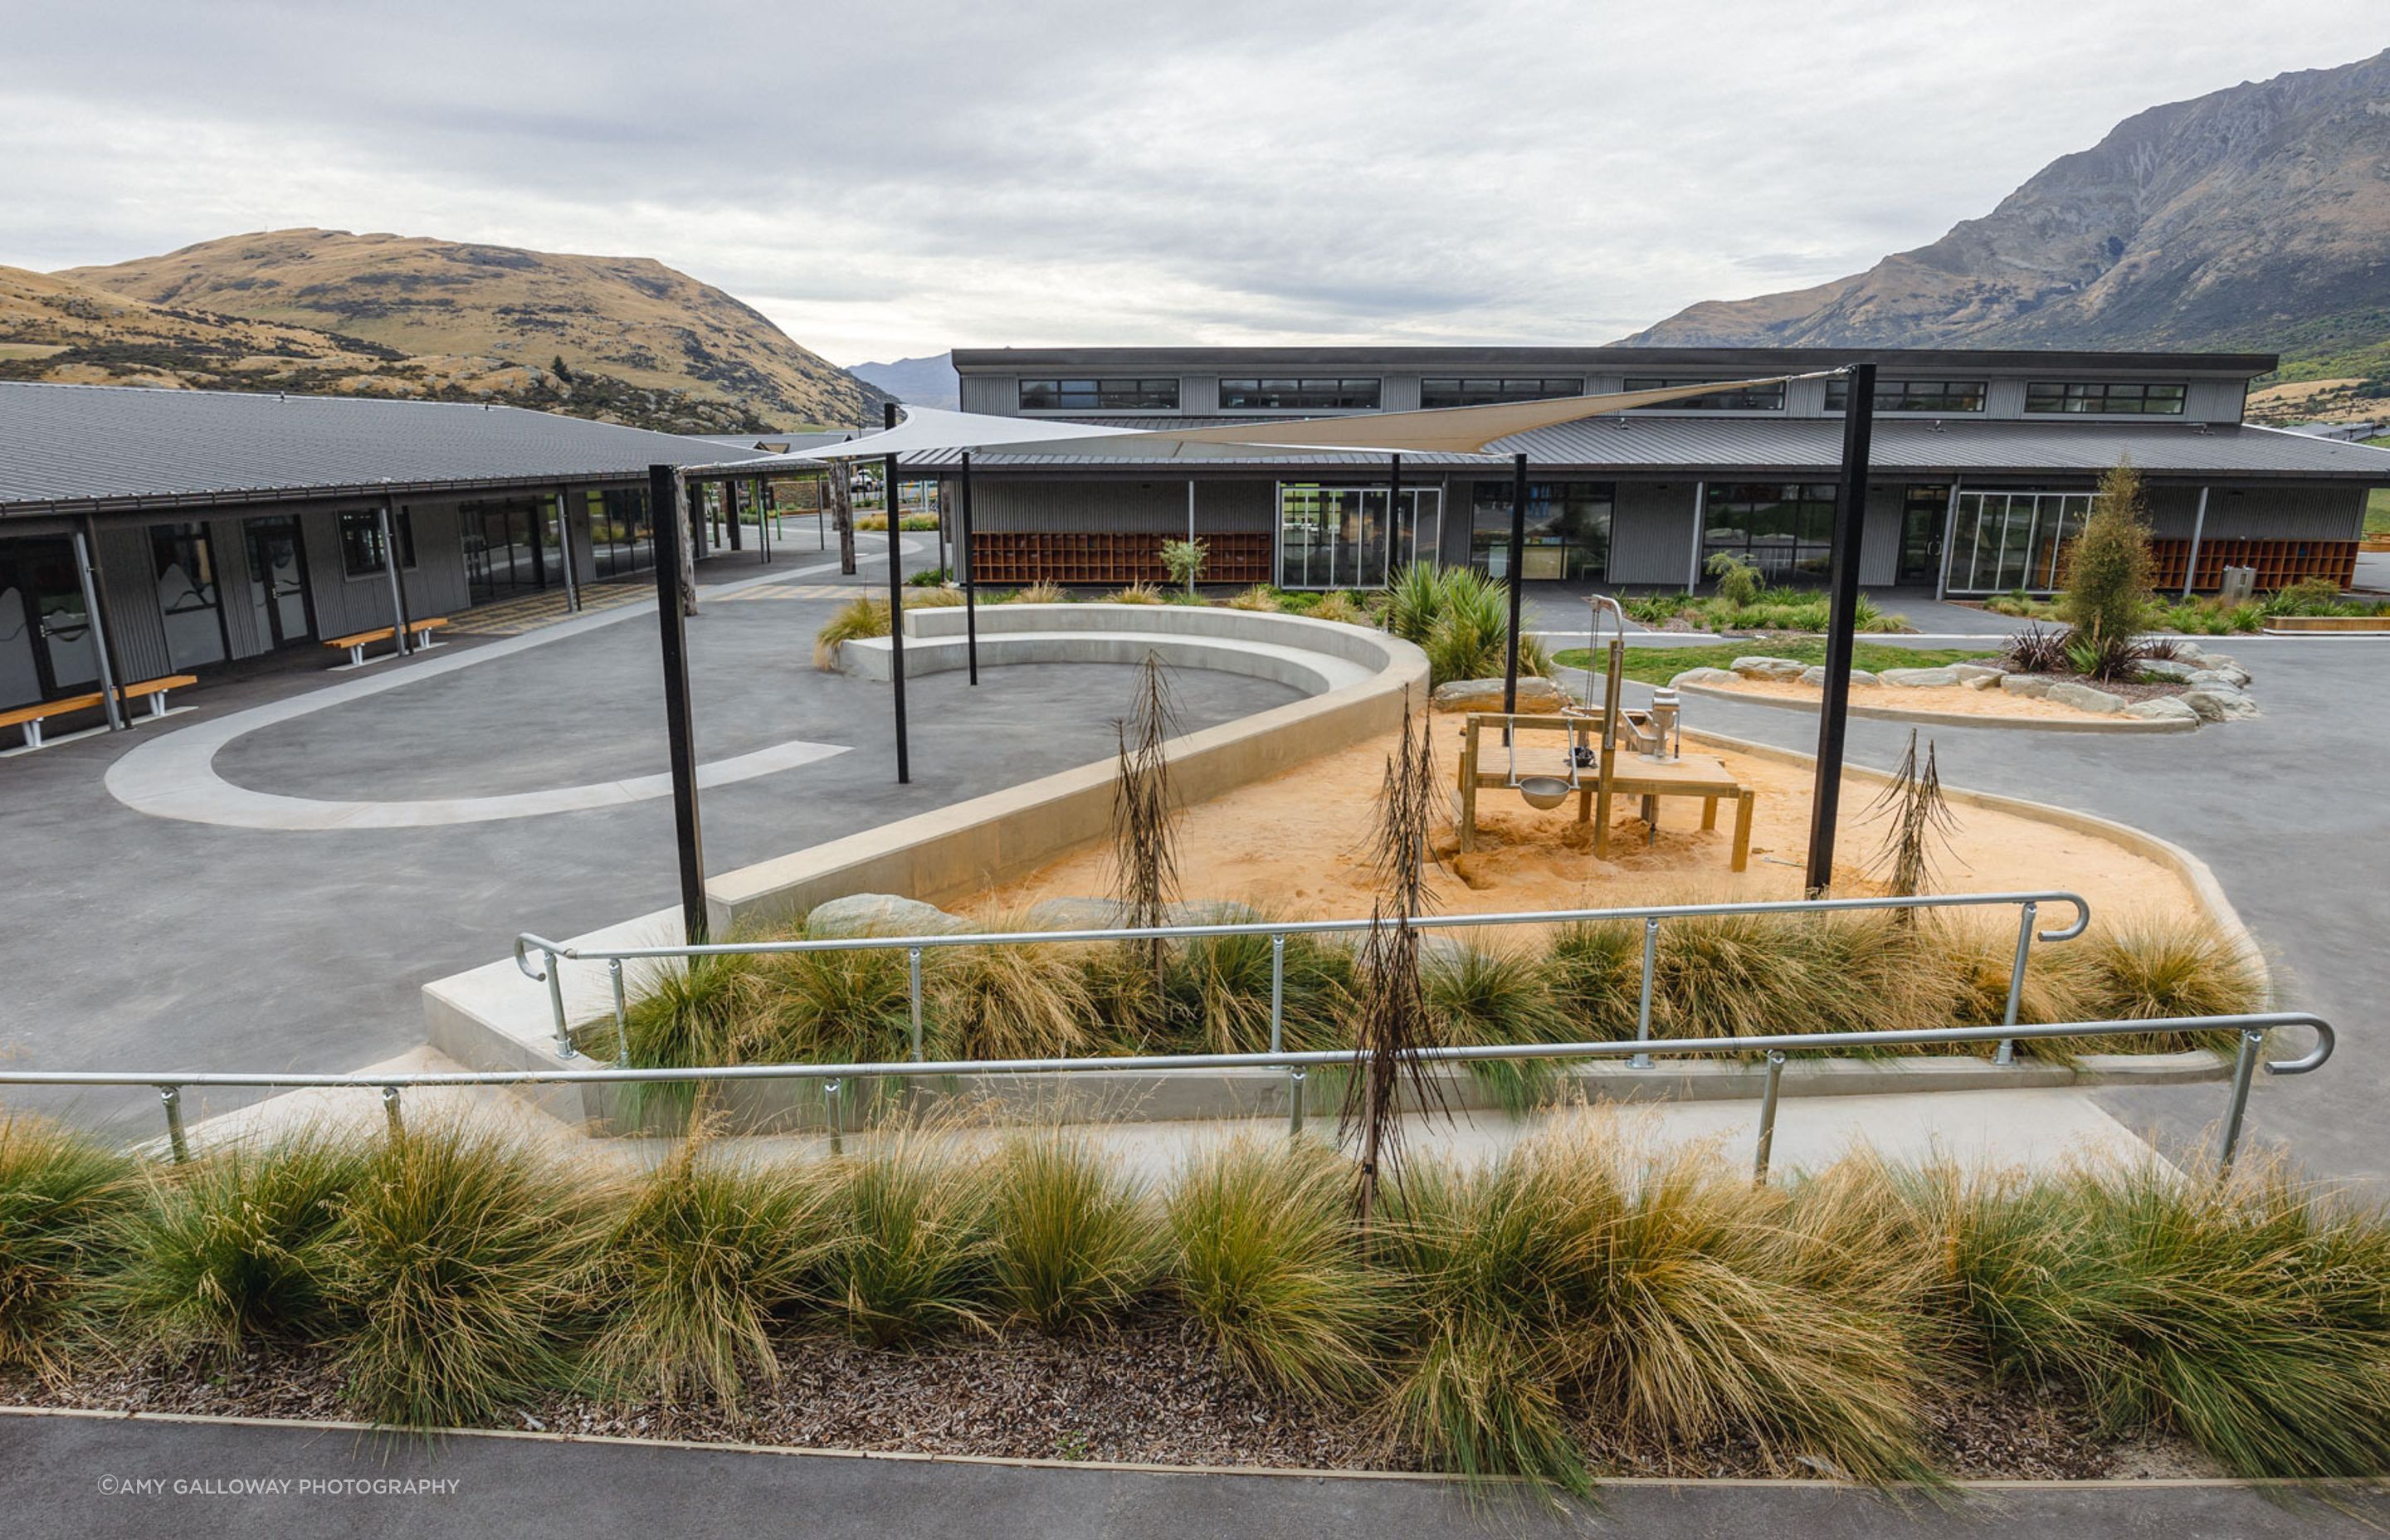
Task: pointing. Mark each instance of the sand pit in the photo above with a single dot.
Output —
(1954, 700)
(1296, 844)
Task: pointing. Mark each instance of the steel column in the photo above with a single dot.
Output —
(2198, 532)
(97, 623)
(1833, 715)
(967, 562)
(564, 543)
(671, 627)
(1693, 571)
(896, 599)
(1518, 584)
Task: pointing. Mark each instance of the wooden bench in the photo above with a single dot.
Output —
(30, 718)
(1610, 775)
(355, 643)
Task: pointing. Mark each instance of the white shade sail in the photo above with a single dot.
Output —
(1449, 429)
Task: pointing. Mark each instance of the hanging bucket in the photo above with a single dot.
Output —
(1545, 791)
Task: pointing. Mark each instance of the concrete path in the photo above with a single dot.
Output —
(93, 1478)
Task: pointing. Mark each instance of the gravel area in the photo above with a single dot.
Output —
(1152, 1394)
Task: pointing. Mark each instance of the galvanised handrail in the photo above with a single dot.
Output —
(1777, 1047)
(2029, 906)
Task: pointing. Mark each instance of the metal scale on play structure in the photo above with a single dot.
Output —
(1591, 739)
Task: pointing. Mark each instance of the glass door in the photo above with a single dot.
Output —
(503, 544)
(2007, 541)
(1419, 535)
(277, 582)
(1341, 537)
(47, 647)
(1922, 513)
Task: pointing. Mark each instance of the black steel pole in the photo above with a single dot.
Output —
(1518, 556)
(1833, 717)
(967, 558)
(664, 500)
(1394, 509)
(896, 599)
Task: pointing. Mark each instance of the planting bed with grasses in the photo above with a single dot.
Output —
(1657, 665)
(1586, 1304)
(1729, 976)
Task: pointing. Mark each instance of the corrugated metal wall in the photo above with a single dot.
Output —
(128, 595)
(1134, 508)
(1652, 533)
(2285, 513)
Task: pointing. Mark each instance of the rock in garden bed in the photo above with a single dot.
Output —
(1536, 695)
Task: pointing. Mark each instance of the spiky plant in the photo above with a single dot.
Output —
(1145, 825)
(1918, 820)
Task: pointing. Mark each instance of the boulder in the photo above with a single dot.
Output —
(1704, 676)
(2220, 660)
(1539, 696)
(1919, 678)
(2031, 685)
(2164, 708)
(1983, 680)
(1969, 673)
(2083, 698)
(881, 914)
(2168, 668)
(1815, 674)
(2186, 650)
(2218, 702)
(2208, 674)
(1769, 668)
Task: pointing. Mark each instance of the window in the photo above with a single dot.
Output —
(1100, 395)
(1786, 530)
(182, 560)
(1750, 398)
(622, 539)
(361, 552)
(1487, 392)
(1568, 530)
(1911, 395)
(1299, 395)
(2106, 396)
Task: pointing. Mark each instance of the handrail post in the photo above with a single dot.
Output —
(1643, 1010)
(390, 1113)
(622, 1015)
(2244, 1066)
(831, 1107)
(171, 1098)
(2007, 1054)
(913, 967)
(1768, 1115)
(564, 1048)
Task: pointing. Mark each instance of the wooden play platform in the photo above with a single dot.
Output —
(1554, 757)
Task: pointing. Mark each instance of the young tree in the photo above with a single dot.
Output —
(2108, 567)
(1392, 1018)
(1184, 560)
(1145, 827)
(1921, 820)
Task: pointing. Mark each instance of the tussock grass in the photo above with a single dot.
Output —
(1344, 608)
(1265, 1257)
(63, 1199)
(459, 1267)
(704, 1012)
(1073, 1242)
(855, 618)
(1218, 994)
(234, 1247)
(1137, 593)
(1496, 995)
(704, 1255)
(1007, 1002)
(1260, 596)
(912, 1249)
(2148, 965)
(1040, 593)
(2252, 1317)
(834, 1008)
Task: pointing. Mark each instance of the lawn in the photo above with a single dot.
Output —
(2377, 506)
(1657, 665)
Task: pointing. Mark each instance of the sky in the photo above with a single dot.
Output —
(886, 180)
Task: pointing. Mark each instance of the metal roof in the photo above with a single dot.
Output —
(1571, 360)
(2072, 444)
(92, 447)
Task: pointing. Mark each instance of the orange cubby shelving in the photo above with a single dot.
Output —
(2280, 563)
(1044, 556)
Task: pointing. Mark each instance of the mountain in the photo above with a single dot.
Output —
(930, 381)
(636, 342)
(2256, 218)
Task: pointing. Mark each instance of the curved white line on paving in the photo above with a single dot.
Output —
(174, 776)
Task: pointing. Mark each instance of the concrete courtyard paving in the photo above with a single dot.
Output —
(135, 942)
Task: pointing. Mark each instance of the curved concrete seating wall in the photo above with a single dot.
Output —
(1359, 679)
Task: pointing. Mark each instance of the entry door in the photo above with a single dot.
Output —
(47, 644)
(502, 550)
(1923, 514)
(277, 582)
(1420, 535)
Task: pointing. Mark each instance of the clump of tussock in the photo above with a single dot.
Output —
(1137, 593)
(459, 1269)
(1008, 1002)
(1072, 1240)
(63, 1199)
(234, 1248)
(1265, 1256)
(1258, 598)
(1215, 994)
(911, 1247)
(1496, 994)
(2147, 966)
(708, 1010)
(703, 1257)
(855, 618)
(1341, 607)
(2250, 1315)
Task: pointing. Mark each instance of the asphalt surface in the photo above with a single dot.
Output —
(97, 1479)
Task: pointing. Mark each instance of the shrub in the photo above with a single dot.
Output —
(1265, 1256)
(1184, 561)
(1135, 593)
(2103, 655)
(858, 617)
(233, 1248)
(63, 1199)
(2108, 567)
(702, 1257)
(1462, 621)
(928, 577)
(911, 1249)
(1072, 1240)
(1739, 583)
(459, 1265)
(2037, 651)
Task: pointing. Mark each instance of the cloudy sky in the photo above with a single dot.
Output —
(897, 178)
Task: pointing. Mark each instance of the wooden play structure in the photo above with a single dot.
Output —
(1546, 759)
